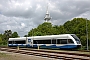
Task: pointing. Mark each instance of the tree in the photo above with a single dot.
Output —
(42, 29)
(1, 42)
(25, 35)
(37, 33)
(7, 34)
(61, 30)
(15, 35)
(45, 28)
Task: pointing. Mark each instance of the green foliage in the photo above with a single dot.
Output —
(15, 35)
(62, 30)
(1, 41)
(2, 55)
(43, 29)
(25, 35)
(7, 34)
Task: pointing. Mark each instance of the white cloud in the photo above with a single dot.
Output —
(22, 25)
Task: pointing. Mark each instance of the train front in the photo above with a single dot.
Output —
(77, 40)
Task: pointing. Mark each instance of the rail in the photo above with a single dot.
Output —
(49, 54)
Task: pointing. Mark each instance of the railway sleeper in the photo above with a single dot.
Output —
(10, 50)
(44, 55)
(3, 49)
(30, 53)
(23, 52)
(37, 54)
(60, 58)
(52, 56)
(87, 55)
(17, 51)
(83, 58)
(68, 58)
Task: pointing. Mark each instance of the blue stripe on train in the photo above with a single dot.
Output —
(16, 45)
(28, 45)
(22, 45)
(44, 46)
(54, 46)
(68, 46)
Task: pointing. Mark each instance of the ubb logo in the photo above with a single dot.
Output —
(29, 40)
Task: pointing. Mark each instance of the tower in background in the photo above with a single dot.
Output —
(47, 17)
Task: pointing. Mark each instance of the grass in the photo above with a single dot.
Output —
(3, 55)
(3, 45)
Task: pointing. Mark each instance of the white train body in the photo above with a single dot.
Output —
(64, 41)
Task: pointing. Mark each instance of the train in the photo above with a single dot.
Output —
(63, 41)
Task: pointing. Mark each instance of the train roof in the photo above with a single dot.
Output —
(19, 38)
(41, 37)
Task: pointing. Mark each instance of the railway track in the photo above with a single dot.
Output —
(49, 54)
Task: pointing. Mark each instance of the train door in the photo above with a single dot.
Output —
(29, 42)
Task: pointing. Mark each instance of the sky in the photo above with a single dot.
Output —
(23, 15)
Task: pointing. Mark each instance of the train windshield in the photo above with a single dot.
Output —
(76, 38)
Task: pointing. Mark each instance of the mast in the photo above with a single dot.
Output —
(87, 33)
(47, 17)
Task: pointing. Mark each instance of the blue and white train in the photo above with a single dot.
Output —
(63, 41)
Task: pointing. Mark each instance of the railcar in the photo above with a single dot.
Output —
(63, 41)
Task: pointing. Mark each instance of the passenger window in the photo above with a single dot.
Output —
(61, 41)
(41, 41)
(53, 41)
(70, 41)
(58, 41)
(64, 41)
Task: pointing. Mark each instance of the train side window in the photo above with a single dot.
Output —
(41, 41)
(10, 42)
(70, 41)
(53, 41)
(63, 41)
(20, 42)
(58, 41)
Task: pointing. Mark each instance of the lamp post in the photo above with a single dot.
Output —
(87, 33)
